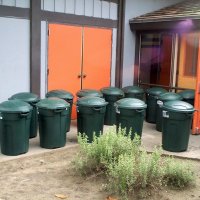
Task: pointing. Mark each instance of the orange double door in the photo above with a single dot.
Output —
(78, 58)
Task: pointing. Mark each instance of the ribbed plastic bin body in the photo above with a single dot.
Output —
(130, 115)
(168, 96)
(133, 92)
(90, 116)
(177, 118)
(15, 127)
(53, 117)
(151, 100)
(68, 97)
(111, 95)
(32, 99)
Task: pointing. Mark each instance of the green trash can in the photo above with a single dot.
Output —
(90, 116)
(0, 127)
(53, 116)
(15, 127)
(188, 96)
(68, 97)
(111, 95)
(177, 118)
(168, 96)
(89, 92)
(133, 92)
(151, 100)
(130, 115)
(32, 99)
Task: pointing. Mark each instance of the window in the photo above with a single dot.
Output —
(155, 58)
(191, 52)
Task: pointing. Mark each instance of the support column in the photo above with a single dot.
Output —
(120, 44)
(35, 46)
(196, 118)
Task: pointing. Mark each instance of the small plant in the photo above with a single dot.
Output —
(121, 174)
(178, 174)
(135, 172)
(150, 172)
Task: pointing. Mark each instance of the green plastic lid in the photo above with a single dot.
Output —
(52, 104)
(89, 92)
(133, 89)
(62, 94)
(187, 94)
(178, 106)
(112, 91)
(169, 96)
(25, 96)
(130, 103)
(91, 101)
(155, 91)
(15, 106)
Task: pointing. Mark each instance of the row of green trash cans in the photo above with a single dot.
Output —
(19, 116)
(93, 112)
(172, 116)
(172, 113)
(19, 122)
(154, 94)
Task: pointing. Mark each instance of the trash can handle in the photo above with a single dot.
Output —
(165, 114)
(24, 114)
(58, 110)
(97, 108)
(117, 109)
(139, 111)
(160, 103)
(189, 114)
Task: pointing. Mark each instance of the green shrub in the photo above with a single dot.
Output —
(104, 150)
(178, 174)
(127, 165)
(149, 172)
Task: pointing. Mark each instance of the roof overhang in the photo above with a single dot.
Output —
(181, 25)
(184, 16)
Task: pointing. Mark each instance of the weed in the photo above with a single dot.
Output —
(178, 174)
(121, 174)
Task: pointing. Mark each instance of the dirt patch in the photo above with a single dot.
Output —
(50, 174)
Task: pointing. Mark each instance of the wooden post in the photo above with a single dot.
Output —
(196, 118)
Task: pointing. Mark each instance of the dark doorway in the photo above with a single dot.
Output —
(155, 59)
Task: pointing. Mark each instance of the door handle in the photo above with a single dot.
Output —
(81, 76)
